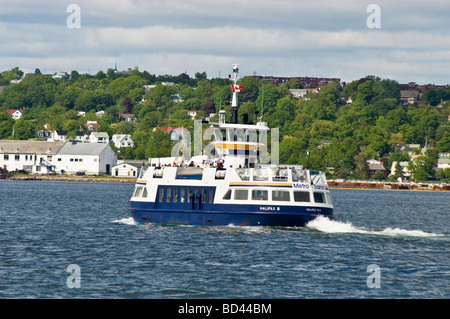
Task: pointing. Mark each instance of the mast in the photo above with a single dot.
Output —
(235, 88)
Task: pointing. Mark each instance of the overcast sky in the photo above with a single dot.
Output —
(325, 38)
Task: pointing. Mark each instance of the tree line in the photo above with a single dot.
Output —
(335, 133)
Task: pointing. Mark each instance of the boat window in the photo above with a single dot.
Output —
(211, 195)
(279, 175)
(241, 194)
(161, 195)
(318, 177)
(175, 195)
(300, 176)
(142, 171)
(281, 196)
(203, 195)
(189, 195)
(300, 196)
(259, 195)
(260, 174)
(196, 196)
(244, 173)
(182, 195)
(227, 195)
(138, 191)
(169, 194)
(319, 197)
(329, 198)
(145, 193)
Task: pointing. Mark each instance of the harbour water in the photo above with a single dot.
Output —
(76, 240)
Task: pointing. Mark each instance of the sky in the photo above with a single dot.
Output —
(406, 41)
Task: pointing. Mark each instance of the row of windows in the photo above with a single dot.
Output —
(26, 157)
(141, 191)
(49, 158)
(195, 195)
(185, 195)
(277, 195)
(178, 194)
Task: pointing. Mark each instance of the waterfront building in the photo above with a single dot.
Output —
(57, 157)
(30, 156)
(126, 169)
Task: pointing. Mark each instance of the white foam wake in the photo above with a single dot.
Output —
(326, 225)
(124, 221)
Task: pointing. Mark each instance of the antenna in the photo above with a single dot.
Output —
(262, 107)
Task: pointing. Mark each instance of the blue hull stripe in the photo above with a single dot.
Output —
(223, 215)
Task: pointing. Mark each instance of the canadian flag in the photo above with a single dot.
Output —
(236, 88)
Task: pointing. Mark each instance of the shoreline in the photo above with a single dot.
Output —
(372, 185)
(332, 184)
(72, 178)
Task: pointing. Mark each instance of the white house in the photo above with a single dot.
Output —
(81, 137)
(44, 157)
(443, 161)
(89, 158)
(192, 114)
(99, 137)
(100, 113)
(375, 166)
(15, 114)
(91, 126)
(122, 140)
(405, 168)
(176, 133)
(31, 156)
(298, 92)
(126, 169)
(57, 136)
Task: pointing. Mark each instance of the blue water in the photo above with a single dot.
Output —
(47, 226)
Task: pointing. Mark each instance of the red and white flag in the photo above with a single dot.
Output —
(236, 88)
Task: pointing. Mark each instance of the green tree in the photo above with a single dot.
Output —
(443, 174)
(422, 168)
(399, 171)
(361, 167)
(443, 145)
(6, 125)
(200, 76)
(365, 91)
(379, 176)
(292, 151)
(250, 89)
(24, 129)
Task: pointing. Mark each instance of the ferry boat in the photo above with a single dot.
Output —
(227, 185)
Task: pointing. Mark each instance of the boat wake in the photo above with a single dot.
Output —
(326, 225)
(124, 221)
